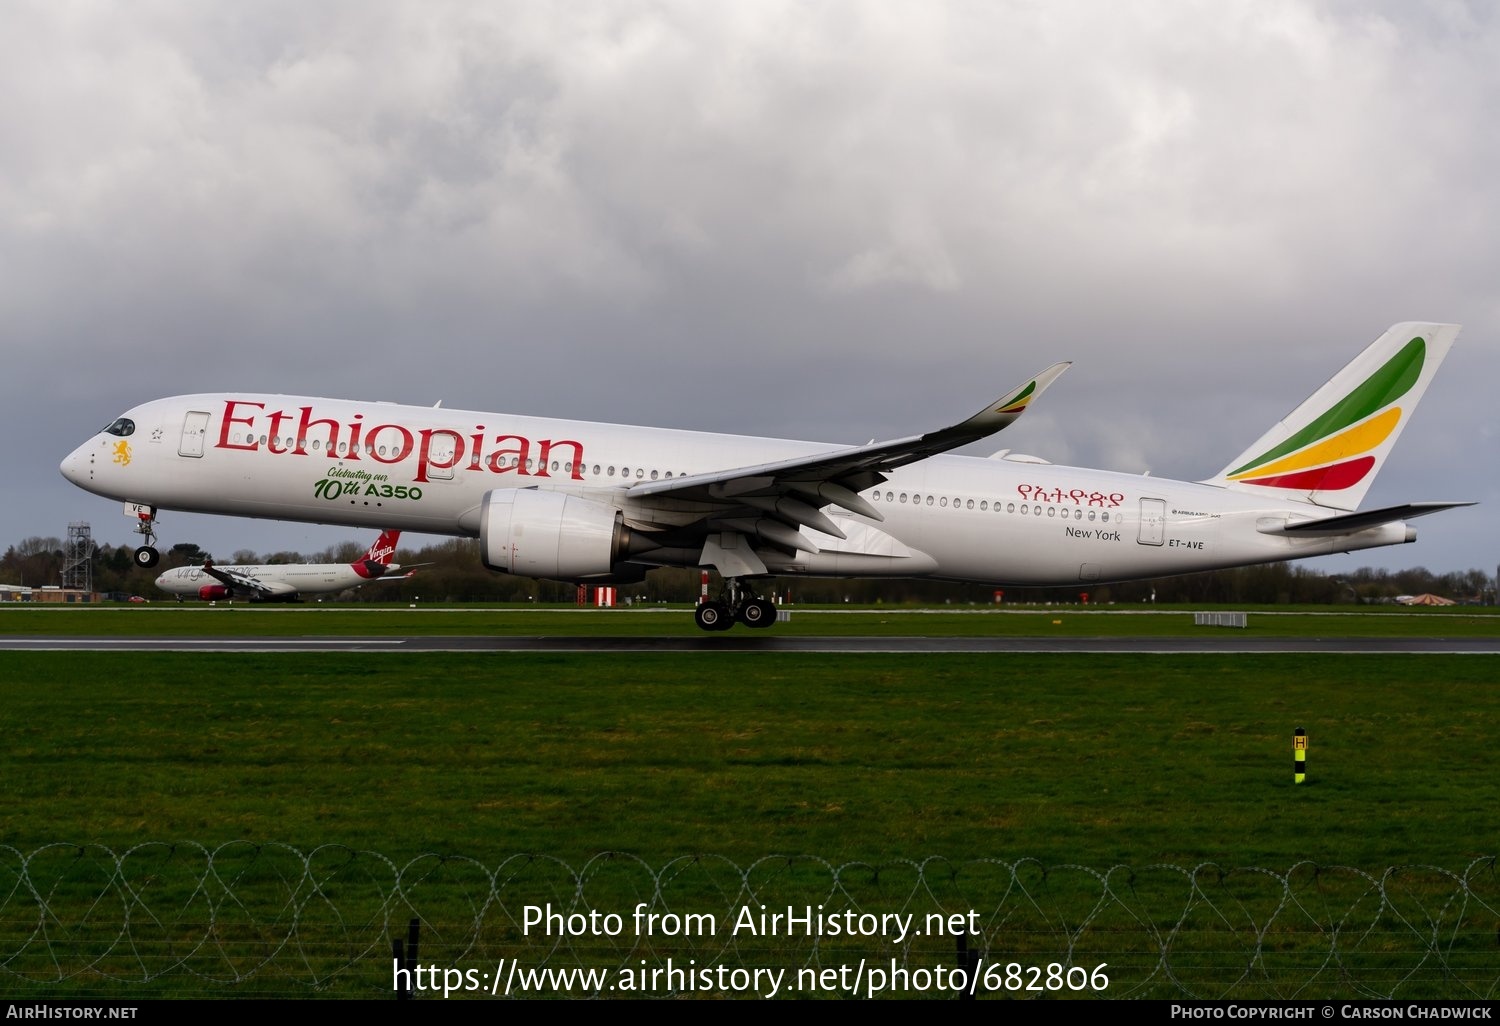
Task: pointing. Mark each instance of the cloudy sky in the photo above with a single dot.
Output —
(837, 221)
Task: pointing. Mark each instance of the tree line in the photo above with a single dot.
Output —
(454, 573)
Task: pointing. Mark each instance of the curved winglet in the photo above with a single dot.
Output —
(1002, 412)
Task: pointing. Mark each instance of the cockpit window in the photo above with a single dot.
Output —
(124, 427)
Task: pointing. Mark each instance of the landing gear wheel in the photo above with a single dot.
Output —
(713, 616)
(758, 612)
(146, 556)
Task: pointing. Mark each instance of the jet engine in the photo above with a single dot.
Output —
(213, 592)
(550, 534)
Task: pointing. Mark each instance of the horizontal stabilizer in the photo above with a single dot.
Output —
(1348, 523)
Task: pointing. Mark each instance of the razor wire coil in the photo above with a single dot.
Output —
(270, 919)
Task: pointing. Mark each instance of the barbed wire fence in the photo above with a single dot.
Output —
(243, 919)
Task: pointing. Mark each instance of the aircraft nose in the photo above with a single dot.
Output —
(78, 464)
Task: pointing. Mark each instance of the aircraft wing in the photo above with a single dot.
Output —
(770, 502)
(247, 585)
(794, 489)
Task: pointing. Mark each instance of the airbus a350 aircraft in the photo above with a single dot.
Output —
(577, 501)
(284, 582)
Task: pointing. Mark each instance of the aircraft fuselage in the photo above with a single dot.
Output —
(996, 521)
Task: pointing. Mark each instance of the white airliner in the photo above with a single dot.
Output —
(577, 501)
(284, 582)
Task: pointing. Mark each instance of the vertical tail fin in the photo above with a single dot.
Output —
(1328, 450)
(377, 560)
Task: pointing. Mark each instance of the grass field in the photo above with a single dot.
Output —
(1067, 760)
(1060, 757)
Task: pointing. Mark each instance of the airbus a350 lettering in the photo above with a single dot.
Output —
(579, 501)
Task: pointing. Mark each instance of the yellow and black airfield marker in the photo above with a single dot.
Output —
(1299, 756)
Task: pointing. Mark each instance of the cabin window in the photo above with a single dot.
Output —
(1051, 510)
(903, 496)
(944, 503)
(1104, 516)
(984, 505)
(971, 504)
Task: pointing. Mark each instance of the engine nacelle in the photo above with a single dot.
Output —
(550, 534)
(213, 592)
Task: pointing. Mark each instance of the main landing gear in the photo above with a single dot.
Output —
(146, 556)
(736, 604)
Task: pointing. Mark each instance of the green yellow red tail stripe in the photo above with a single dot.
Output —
(1333, 451)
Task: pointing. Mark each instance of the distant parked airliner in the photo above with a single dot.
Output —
(284, 582)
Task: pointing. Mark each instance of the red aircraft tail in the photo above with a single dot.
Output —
(378, 558)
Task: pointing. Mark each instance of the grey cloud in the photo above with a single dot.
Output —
(819, 220)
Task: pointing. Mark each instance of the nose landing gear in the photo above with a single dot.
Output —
(146, 556)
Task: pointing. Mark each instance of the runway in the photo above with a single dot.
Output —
(768, 643)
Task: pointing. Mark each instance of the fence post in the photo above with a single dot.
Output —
(968, 961)
(404, 959)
